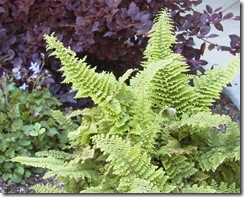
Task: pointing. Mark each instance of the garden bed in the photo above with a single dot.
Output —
(222, 106)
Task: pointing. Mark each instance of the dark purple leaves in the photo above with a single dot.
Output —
(108, 34)
(95, 26)
(79, 21)
(228, 16)
(235, 41)
(212, 36)
(205, 30)
(218, 26)
(218, 9)
(237, 18)
(204, 18)
(209, 9)
(2, 10)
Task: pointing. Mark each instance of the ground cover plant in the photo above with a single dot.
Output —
(153, 135)
(26, 126)
(89, 27)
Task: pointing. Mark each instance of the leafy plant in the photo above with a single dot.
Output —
(26, 126)
(156, 134)
(89, 27)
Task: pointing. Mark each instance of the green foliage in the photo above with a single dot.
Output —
(155, 135)
(48, 188)
(26, 126)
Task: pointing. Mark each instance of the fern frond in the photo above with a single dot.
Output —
(47, 189)
(222, 147)
(127, 159)
(178, 168)
(174, 147)
(75, 113)
(48, 163)
(99, 189)
(204, 120)
(99, 86)
(73, 172)
(63, 120)
(161, 39)
(55, 154)
(170, 87)
(228, 188)
(198, 189)
(210, 85)
(136, 185)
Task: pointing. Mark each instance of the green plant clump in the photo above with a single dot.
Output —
(155, 135)
(26, 126)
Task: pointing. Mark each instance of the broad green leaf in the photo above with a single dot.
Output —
(63, 138)
(2, 158)
(2, 117)
(20, 170)
(17, 124)
(3, 146)
(27, 173)
(6, 176)
(8, 165)
(24, 142)
(42, 130)
(34, 133)
(16, 178)
(37, 126)
(38, 170)
(52, 132)
(27, 129)
(10, 152)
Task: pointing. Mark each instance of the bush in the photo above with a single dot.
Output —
(26, 126)
(113, 34)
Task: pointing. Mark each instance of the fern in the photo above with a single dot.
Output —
(209, 86)
(48, 163)
(61, 119)
(55, 154)
(198, 189)
(156, 135)
(48, 188)
(132, 162)
(161, 40)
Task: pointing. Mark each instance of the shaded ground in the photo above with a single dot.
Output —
(221, 106)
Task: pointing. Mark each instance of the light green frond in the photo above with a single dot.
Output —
(99, 86)
(63, 120)
(170, 87)
(48, 163)
(174, 147)
(47, 189)
(204, 120)
(73, 173)
(198, 189)
(223, 147)
(56, 154)
(161, 39)
(209, 85)
(99, 190)
(135, 185)
(178, 168)
(127, 159)
(75, 113)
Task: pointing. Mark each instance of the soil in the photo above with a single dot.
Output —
(222, 106)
